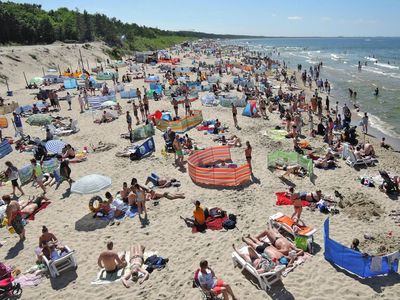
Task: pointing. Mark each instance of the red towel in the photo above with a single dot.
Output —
(282, 199)
(213, 223)
(43, 206)
(201, 128)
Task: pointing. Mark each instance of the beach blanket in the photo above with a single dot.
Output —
(104, 277)
(299, 260)
(282, 199)
(43, 206)
(129, 213)
(276, 134)
(29, 280)
(213, 223)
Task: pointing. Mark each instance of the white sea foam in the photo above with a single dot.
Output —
(387, 66)
(382, 126)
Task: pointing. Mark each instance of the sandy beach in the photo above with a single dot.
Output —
(68, 217)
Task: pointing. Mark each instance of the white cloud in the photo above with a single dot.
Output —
(295, 18)
(326, 19)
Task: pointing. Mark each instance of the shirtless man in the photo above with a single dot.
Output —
(266, 248)
(178, 151)
(136, 262)
(174, 103)
(110, 261)
(124, 193)
(282, 244)
(14, 216)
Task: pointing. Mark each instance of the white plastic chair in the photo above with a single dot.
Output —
(353, 161)
(57, 266)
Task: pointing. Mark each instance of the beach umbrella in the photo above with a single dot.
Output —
(55, 146)
(90, 184)
(39, 120)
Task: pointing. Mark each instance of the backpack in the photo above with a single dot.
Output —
(155, 262)
(229, 224)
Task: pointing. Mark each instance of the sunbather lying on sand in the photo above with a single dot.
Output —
(33, 203)
(257, 247)
(136, 263)
(110, 261)
(232, 141)
(161, 182)
(294, 169)
(155, 196)
(281, 243)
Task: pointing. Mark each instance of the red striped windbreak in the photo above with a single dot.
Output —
(216, 176)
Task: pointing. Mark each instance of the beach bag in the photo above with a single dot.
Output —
(301, 242)
(229, 224)
(155, 262)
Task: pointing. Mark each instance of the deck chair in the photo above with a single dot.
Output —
(62, 132)
(206, 295)
(345, 151)
(304, 234)
(352, 161)
(57, 266)
(265, 280)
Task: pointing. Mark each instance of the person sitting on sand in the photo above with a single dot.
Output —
(354, 245)
(124, 193)
(136, 266)
(384, 145)
(210, 283)
(257, 248)
(161, 182)
(117, 205)
(279, 241)
(68, 152)
(110, 261)
(368, 150)
(199, 218)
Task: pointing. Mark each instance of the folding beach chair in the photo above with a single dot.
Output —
(206, 295)
(265, 280)
(57, 266)
(352, 161)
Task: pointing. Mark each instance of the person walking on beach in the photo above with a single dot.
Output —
(18, 124)
(68, 98)
(135, 112)
(247, 153)
(141, 108)
(187, 106)
(234, 114)
(174, 103)
(146, 105)
(364, 122)
(139, 94)
(81, 102)
(14, 216)
(37, 174)
(178, 151)
(12, 174)
(129, 121)
(327, 103)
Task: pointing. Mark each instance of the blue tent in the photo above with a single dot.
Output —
(354, 261)
(143, 150)
(70, 83)
(128, 94)
(5, 148)
(250, 109)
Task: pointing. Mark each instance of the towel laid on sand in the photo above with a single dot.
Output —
(213, 223)
(43, 206)
(282, 199)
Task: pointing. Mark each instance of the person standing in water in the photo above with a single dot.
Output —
(364, 122)
(376, 91)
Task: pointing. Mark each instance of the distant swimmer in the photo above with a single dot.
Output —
(359, 65)
(376, 92)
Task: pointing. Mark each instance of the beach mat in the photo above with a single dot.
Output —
(282, 199)
(42, 207)
(106, 278)
(276, 134)
(213, 223)
(129, 213)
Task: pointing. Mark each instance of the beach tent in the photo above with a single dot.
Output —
(216, 176)
(3, 122)
(143, 132)
(209, 100)
(290, 158)
(227, 101)
(250, 109)
(182, 125)
(36, 80)
(106, 75)
(356, 262)
(5, 148)
(39, 120)
(128, 94)
(49, 166)
(70, 83)
(143, 150)
(55, 146)
(152, 78)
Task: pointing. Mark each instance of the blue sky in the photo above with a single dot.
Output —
(253, 17)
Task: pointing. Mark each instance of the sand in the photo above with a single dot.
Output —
(70, 220)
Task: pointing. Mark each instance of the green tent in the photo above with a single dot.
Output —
(36, 80)
(290, 158)
(39, 120)
(143, 132)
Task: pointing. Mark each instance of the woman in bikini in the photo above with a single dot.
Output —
(136, 262)
(140, 198)
(247, 153)
(141, 108)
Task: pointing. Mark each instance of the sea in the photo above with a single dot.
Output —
(380, 60)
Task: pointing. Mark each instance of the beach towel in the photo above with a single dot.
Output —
(129, 213)
(299, 260)
(104, 277)
(276, 134)
(43, 206)
(29, 280)
(213, 223)
(282, 199)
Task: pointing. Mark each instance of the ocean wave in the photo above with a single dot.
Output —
(387, 66)
(370, 58)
